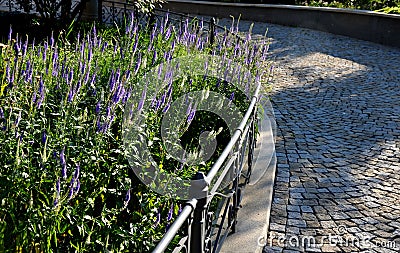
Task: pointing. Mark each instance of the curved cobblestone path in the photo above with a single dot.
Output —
(337, 106)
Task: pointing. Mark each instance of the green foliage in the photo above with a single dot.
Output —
(65, 184)
(388, 6)
(390, 10)
(36, 214)
(146, 6)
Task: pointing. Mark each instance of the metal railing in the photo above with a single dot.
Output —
(28, 7)
(116, 12)
(9, 5)
(205, 229)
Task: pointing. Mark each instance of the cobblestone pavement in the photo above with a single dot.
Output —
(337, 106)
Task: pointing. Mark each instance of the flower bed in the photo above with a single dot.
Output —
(65, 183)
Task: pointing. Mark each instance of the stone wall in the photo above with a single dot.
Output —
(366, 25)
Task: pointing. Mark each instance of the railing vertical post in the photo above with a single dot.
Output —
(197, 238)
(113, 12)
(236, 193)
(252, 142)
(198, 226)
(212, 31)
(100, 11)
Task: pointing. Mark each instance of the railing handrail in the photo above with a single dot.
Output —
(189, 208)
(176, 225)
(221, 159)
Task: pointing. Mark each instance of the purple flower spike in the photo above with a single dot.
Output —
(153, 33)
(127, 75)
(90, 53)
(119, 93)
(81, 67)
(141, 102)
(18, 119)
(140, 105)
(191, 116)
(78, 38)
(1, 113)
(24, 48)
(105, 44)
(44, 137)
(218, 83)
(169, 92)
(82, 49)
(166, 19)
(77, 187)
(98, 107)
(70, 77)
(127, 96)
(163, 99)
(154, 57)
(93, 79)
(77, 170)
(78, 86)
(71, 193)
(108, 111)
(99, 42)
(158, 104)
(138, 63)
(159, 72)
(170, 213)
(127, 196)
(112, 81)
(189, 109)
(94, 31)
(168, 33)
(191, 113)
(167, 107)
(55, 58)
(45, 51)
(63, 164)
(232, 96)
(10, 34)
(128, 28)
(58, 187)
(70, 95)
(8, 73)
(173, 46)
(34, 97)
(52, 40)
(17, 46)
(158, 217)
(71, 183)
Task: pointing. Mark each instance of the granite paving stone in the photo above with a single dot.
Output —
(339, 99)
(337, 108)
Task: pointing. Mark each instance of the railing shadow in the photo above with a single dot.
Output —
(337, 113)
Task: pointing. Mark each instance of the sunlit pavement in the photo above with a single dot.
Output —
(337, 108)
